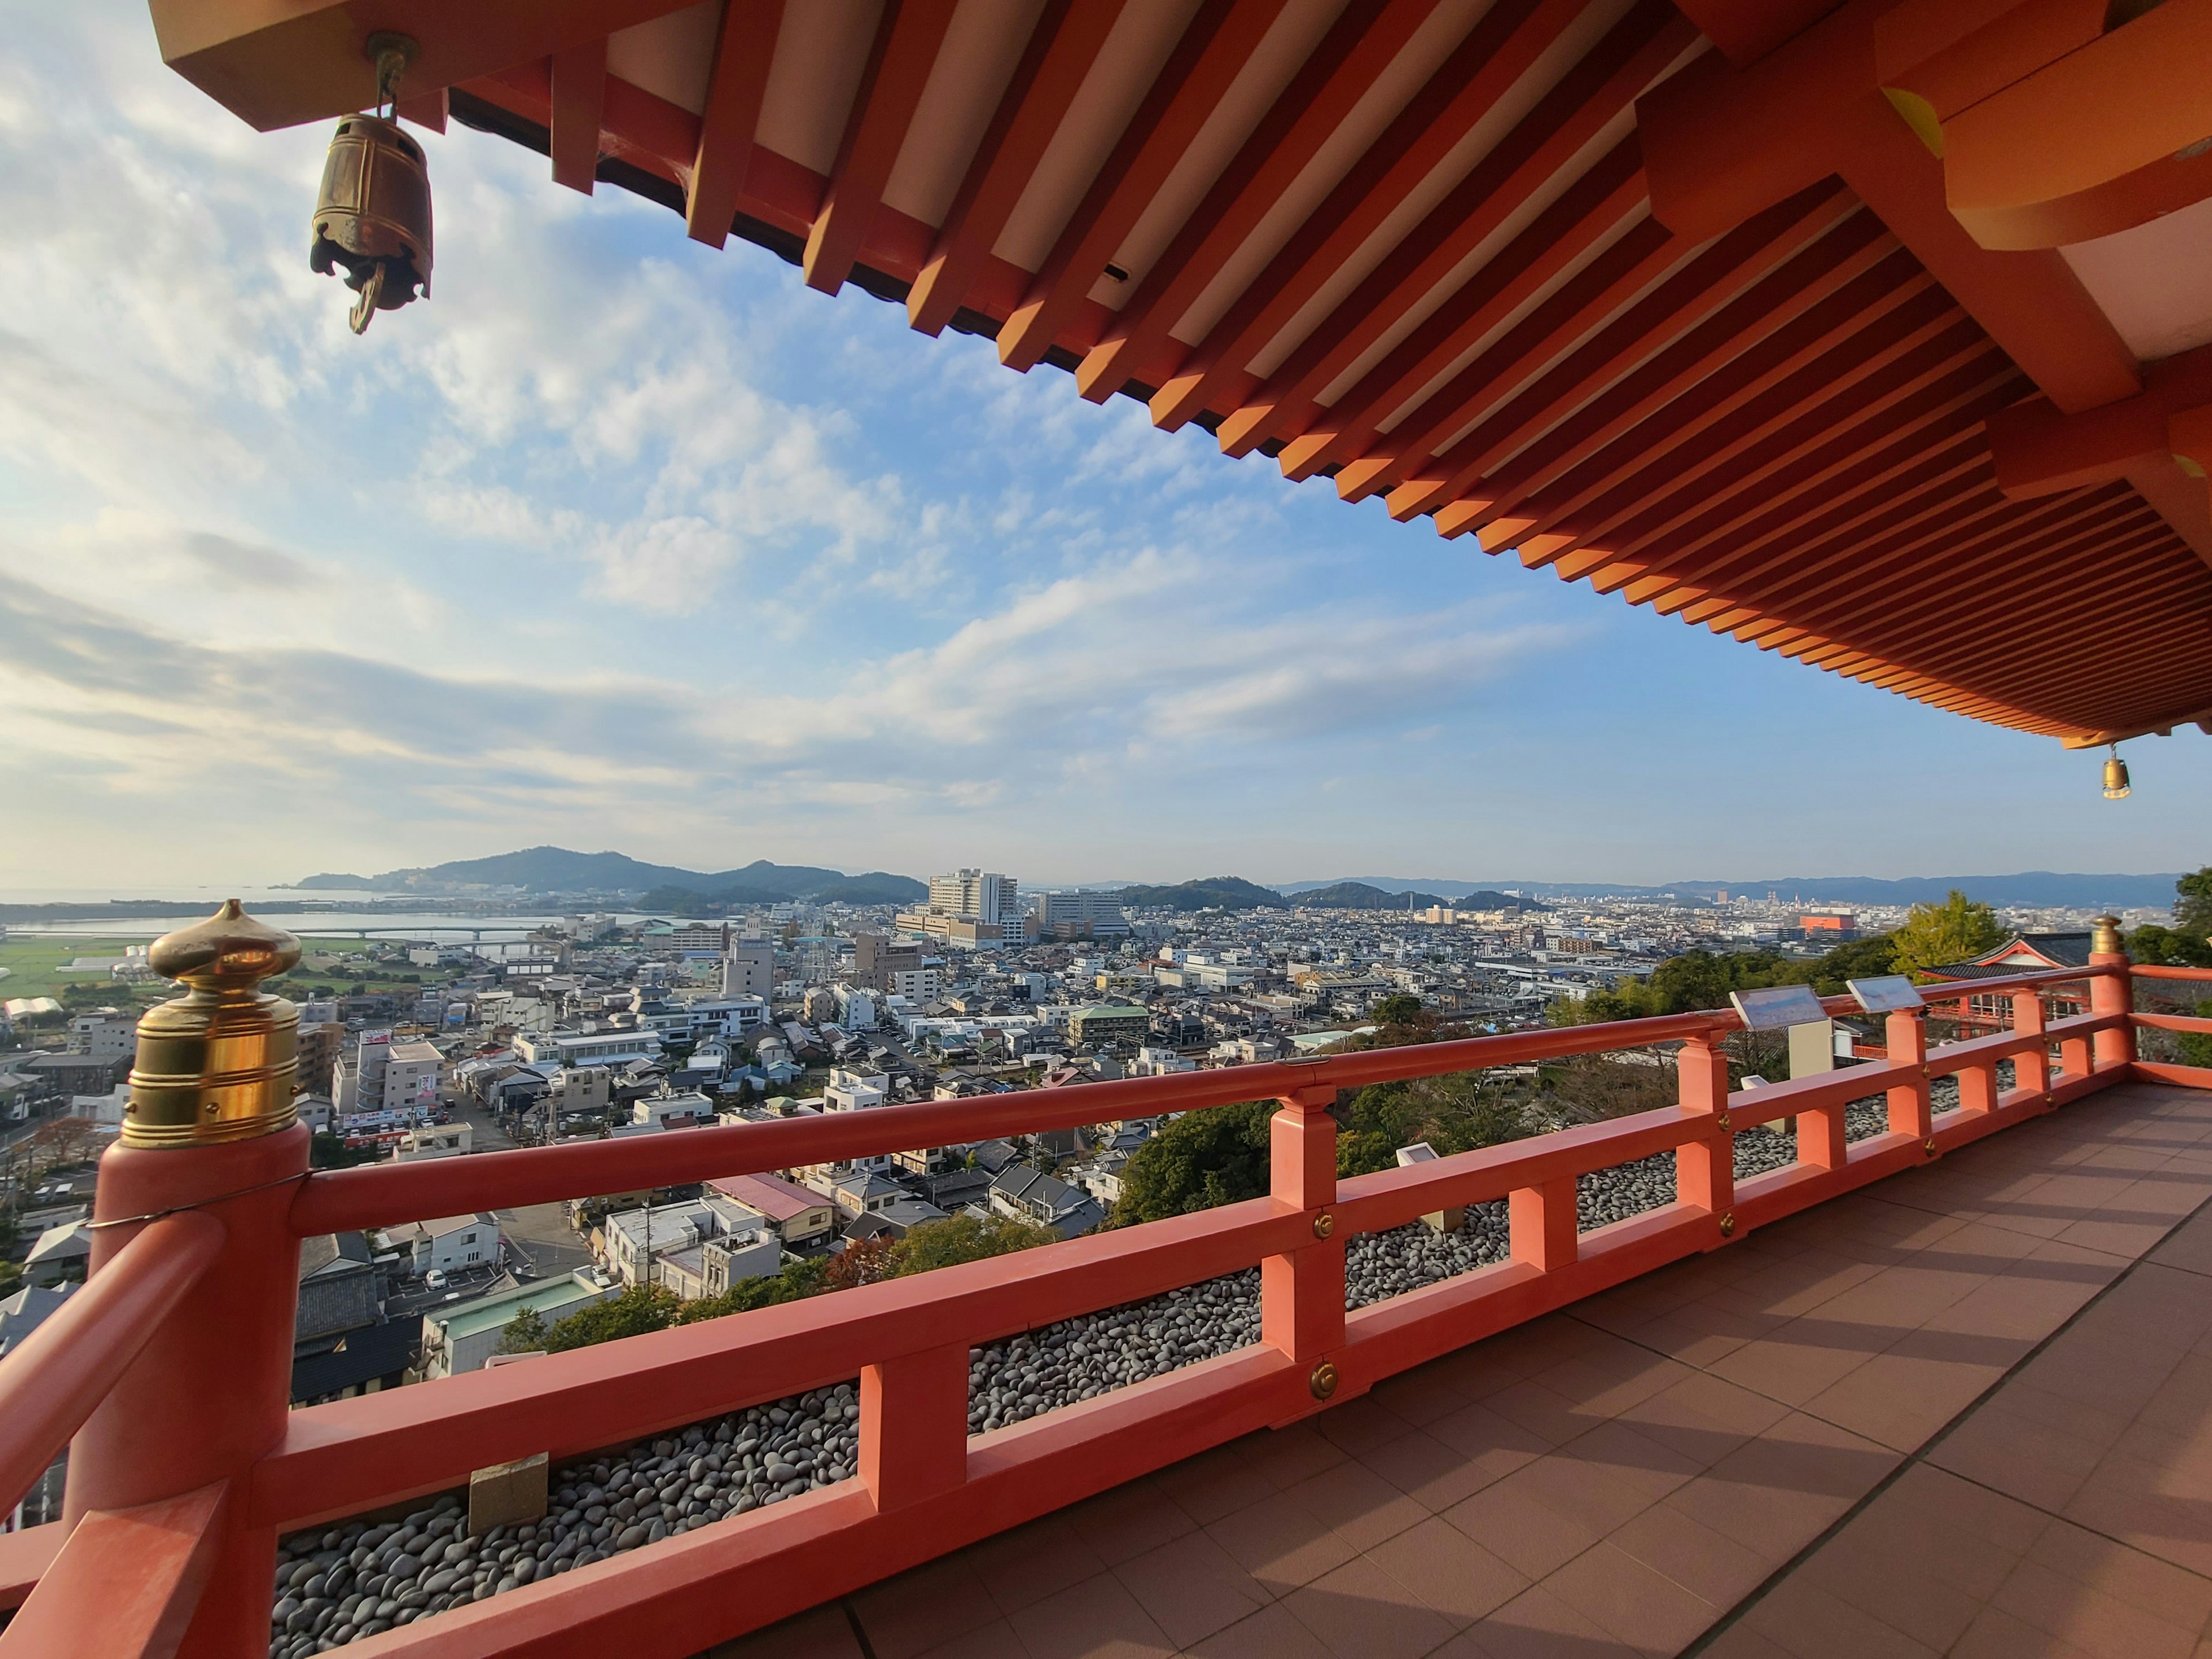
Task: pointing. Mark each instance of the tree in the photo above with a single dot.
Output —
(1202, 1159)
(1456, 1113)
(935, 1244)
(1954, 931)
(2192, 905)
(640, 1309)
(524, 1333)
(2166, 947)
(862, 1261)
(797, 1281)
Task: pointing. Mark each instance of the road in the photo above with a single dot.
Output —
(540, 1242)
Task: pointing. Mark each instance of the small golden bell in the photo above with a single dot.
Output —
(372, 212)
(2116, 777)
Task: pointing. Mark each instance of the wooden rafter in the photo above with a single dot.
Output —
(1198, 73)
(579, 94)
(745, 47)
(908, 37)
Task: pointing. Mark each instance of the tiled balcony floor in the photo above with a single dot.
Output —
(1758, 1453)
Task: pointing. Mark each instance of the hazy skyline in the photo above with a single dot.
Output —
(618, 542)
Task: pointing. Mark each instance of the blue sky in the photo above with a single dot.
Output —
(617, 541)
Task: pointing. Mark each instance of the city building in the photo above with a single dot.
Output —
(105, 1034)
(632, 1237)
(1112, 1022)
(800, 1215)
(1077, 913)
(749, 969)
(446, 1244)
(460, 1336)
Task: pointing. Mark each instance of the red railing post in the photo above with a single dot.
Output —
(1907, 1039)
(209, 1127)
(2112, 992)
(1301, 1292)
(1704, 1169)
(913, 1427)
(2030, 1069)
(1546, 1223)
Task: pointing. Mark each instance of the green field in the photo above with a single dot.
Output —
(37, 967)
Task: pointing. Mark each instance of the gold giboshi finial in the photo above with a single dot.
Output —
(2105, 936)
(218, 1063)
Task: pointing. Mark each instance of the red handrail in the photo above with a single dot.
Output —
(2140, 971)
(339, 1200)
(61, 1371)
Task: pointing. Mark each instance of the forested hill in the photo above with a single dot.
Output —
(1358, 896)
(557, 870)
(1209, 893)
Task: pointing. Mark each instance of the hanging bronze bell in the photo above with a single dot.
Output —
(373, 216)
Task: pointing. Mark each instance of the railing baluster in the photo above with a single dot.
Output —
(1704, 1169)
(2111, 992)
(1907, 1039)
(913, 1427)
(1301, 1292)
(1545, 1223)
(2030, 1069)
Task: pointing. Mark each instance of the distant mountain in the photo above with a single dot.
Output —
(1212, 893)
(557, 869)
(2029, 889)
(1359, 896)
(328, 882)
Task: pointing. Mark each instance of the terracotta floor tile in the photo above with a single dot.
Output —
(2170, 1592)
(1647, 1466)
(1735, 1408)
(1998, 1635)
(1291, 1455)
(1356, 1504)
(2031, 1461)
(2137, 1502)
(1129, 1520)
(1741, 1642)
(2091, 1621)
(1803, 1619)
(1270, 1633)
(1280, 1543)
(1797, 1364)
(1433, 1475)
(918, 1610)
(1361, 1612)
(1214, 1484)
(996, 1640)
(1900, 1402)
(1497, 1444)
(1098, 1618)
(1644, 1609)
(1421, 1395)
(1448, 1571)
(822, 1632)
(1711, 1567)
(2190, 1249)
(1908, 1593)
(1192, 1588)
(1776, 1492)
(1552, 1417)
(1587, 1491)
(1537, 1625)
(1530, 1537)
(1033, 1561)
(1360, 1425)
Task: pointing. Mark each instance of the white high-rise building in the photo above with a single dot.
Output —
(982, 894)
(1099, 915)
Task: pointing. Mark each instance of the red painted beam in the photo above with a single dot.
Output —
(1597, 88)
(52, 1381)
(1061, 48)
(579, 92)
(1512, 36)
(904, 51)
(1359, 46)
(1215, 46)
(745, 47)
(125, 1584)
